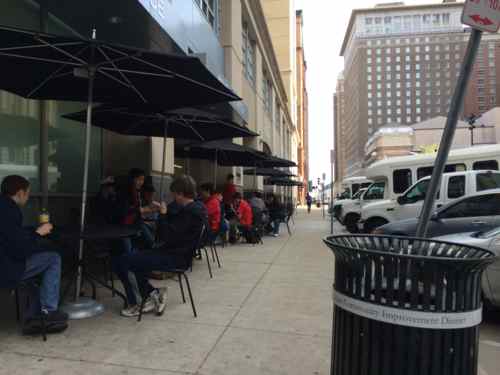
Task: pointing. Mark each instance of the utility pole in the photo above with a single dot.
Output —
(449, 131)
(330, 211)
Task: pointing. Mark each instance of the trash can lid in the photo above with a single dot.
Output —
(409, 247)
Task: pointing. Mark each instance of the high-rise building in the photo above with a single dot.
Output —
(339, 132)
(401, 64)
(302, 109)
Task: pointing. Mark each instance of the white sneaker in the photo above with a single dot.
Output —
(159, 298)
(148, 306)
(131, 311)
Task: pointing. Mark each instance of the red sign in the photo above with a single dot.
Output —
(482, 15)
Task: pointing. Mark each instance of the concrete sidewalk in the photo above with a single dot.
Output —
(267, 311)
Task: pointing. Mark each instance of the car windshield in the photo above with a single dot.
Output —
(357, 195)
(489, 234)
(375, 191)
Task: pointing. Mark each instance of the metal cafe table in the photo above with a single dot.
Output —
(83, 307)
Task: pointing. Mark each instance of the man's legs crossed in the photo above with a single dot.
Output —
(141, 264)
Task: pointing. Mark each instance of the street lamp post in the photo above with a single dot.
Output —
(471, 120)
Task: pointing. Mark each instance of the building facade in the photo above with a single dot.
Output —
(302, 110)
(280, 17)
(230, 37)
(339, 133)
(401, 66)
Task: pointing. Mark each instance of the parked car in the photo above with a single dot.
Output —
(489, 240)
(408, 205)
(348, 211)
(479, 212)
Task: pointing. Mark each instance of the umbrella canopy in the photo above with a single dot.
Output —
(225, 153)
(188, 123)
(270, 161)
(282, 182)
(270, 172)
(43, 66)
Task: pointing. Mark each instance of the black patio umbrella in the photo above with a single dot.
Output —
(186, 123)
(268, 172)
(223, 153)
(276, 181)
(284, 182)
(43, 66)
(271, 161)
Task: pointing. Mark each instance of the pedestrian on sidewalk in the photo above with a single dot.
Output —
(309, 202)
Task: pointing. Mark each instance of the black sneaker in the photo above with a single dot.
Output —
(55, 316)
(34, 327)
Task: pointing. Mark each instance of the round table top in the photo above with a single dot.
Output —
(102, 232)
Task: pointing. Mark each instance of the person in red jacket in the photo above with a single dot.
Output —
(244, 213)
(229, 190)
(212, 204)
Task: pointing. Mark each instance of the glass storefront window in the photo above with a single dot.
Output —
(66, 150)
(19, 138)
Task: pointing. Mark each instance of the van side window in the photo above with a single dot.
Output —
(424, 172)
(355, 188)
(456, 187)
(449, 168)
(486, 181)
(375, 191)
(485, 165)
(401, 180)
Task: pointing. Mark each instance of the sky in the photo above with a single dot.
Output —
(325, 23)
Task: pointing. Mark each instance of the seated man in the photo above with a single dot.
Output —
(245, 215)
(276, 214)
(22, 258)
(180, 232)
(257, 202)
(213, 207)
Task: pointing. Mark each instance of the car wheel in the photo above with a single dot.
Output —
(351, 223)
(373, 224)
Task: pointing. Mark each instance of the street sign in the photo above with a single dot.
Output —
(482, 15)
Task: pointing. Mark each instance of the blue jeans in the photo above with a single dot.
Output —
(48, 265)
(141, 264)
(276, 226)
(147, 235)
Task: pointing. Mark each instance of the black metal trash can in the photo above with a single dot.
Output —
(406, 306)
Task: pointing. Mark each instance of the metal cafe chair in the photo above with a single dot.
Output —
(181, 273)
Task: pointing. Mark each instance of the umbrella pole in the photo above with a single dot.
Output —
(85, 307)
(88, 129)
(255, 176)
(165, 134)
(215, 170)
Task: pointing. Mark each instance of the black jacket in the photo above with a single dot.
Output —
(180, 231)
(276, 210)
(16, 243)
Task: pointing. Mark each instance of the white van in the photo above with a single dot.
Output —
(351, 185)
(393, 177)
(348, 211)
(407, 206)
